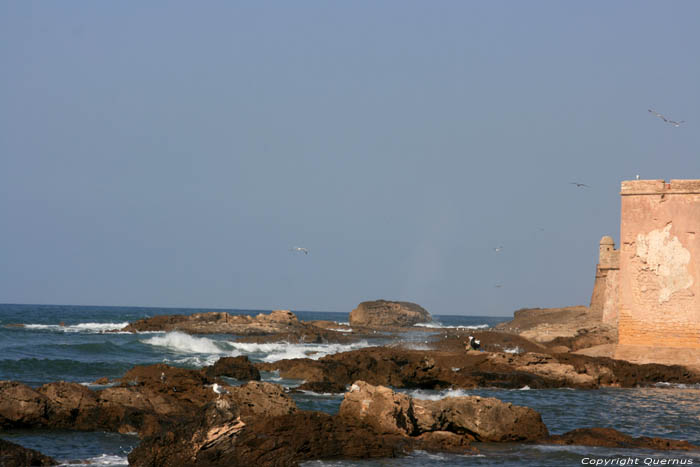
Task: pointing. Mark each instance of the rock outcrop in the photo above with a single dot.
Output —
(14, 455)
(384, 313)
(568, 329)
(215, 322)
(146, 400)
(608, 437)
(183, 420)
(420, 369)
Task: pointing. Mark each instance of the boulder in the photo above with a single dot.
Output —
(69, 404)
(384, 313)
(239, 368)
(480, 418)
(381, 408)
(21, 406)
(477, 418)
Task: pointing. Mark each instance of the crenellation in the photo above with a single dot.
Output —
(659, 187)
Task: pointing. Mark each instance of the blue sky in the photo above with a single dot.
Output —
(170, 154)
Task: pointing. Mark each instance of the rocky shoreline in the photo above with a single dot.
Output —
(194, 417)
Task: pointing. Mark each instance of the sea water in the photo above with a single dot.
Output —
(71, 343)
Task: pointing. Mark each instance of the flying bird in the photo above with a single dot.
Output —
(579, 185)
(498, 249)
(657, 114)
(672, 122)
(300, 250)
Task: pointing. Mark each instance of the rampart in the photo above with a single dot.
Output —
(659, 264)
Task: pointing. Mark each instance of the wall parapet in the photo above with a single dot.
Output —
(659, 187)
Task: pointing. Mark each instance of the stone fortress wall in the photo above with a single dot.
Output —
(659, 264)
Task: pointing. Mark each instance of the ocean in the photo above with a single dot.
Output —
(69, 343)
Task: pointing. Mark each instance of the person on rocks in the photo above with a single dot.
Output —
(472, 344)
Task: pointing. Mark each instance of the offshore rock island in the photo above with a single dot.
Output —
(642, 328)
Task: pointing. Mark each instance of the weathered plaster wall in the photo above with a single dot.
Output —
(659, 275)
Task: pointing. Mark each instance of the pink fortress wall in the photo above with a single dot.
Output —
(659, 277)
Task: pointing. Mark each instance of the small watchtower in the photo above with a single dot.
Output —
(608, 256)
(605, 289)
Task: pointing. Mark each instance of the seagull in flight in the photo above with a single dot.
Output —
(300, 249)
(498, 249)
(672, 122)
(579, 185)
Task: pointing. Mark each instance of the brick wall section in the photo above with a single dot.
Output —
(660, 264)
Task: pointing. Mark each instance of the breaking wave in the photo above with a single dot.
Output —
(273, 352)
(80, 327)
(437, 325)
(184, 343)
(436, 396)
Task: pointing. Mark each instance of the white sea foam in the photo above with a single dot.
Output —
(340, 330)
(525, 388)
(80, 327)
(198, 361)
(436, 396)
(93, 385)
(106, 459)
(437, 325)
(322, 394)
(272, 352)
(664, 384)
(416, 346)
(184, 343)
(514, 350)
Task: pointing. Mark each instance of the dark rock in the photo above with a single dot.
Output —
(608, 437)
(405, 368)
(239, 368)
(14, 455)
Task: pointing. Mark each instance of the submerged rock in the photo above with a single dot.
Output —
(384, 313)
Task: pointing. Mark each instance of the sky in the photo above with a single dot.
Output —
(172, 153)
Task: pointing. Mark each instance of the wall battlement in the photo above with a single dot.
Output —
(659, 187)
